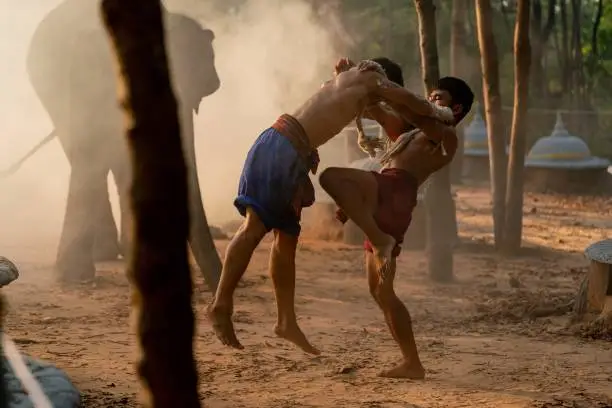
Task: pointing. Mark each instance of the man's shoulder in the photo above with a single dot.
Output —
(433, 127)
(448, 134)
(451, 132)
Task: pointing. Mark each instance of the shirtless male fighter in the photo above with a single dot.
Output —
(273, 189)
(381, 204)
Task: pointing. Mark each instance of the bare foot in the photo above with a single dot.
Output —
(295, 335)
(383, 253)
(405, 370)
(223, 327)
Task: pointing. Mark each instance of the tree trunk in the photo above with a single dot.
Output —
(594, 56)
(441, 224)
(577, 67)
(566, 70)
(493, 113)
(538, 80)
(516, 165)
(458, 68)
(159, 268)
(541, 31)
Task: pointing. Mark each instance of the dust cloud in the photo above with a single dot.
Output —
(32, 200)
(270, 55)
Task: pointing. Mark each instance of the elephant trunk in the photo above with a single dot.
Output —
(200, 238)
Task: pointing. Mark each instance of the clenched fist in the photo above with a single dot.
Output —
(343, 64)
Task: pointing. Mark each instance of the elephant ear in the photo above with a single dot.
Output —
(192, 59)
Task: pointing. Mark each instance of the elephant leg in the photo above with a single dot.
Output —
(87, 189)
(121, 174)
(200, 239)
(106, 242)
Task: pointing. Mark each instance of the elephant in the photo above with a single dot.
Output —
(71, 68)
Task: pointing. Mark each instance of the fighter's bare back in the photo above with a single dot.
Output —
(336, 104)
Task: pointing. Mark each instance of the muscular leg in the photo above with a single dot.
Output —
(237, 257)
(282, 270)
(356, 193)
(398, 320)
(373, 283)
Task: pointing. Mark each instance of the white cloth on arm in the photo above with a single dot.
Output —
(443, 113)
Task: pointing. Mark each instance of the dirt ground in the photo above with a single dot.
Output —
(480, 338)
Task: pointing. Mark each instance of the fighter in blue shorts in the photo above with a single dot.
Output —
(275, 186)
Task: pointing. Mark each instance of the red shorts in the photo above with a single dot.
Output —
(397, 197)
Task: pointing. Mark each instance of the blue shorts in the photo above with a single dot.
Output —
(272, 173)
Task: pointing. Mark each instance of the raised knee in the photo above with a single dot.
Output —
(326, 178)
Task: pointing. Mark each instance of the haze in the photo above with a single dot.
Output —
(270, 55)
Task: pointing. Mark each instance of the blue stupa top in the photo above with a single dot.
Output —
(561, 150)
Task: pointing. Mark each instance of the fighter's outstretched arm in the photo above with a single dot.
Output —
(417, 104)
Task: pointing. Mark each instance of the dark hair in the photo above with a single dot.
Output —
(460, 92)
(392, 69)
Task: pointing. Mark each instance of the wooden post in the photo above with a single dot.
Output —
(458, 57)
(489, 61)
(513, 225)
(595, 293)
(159, 269)
(600, 280)
(416, 236)
(607, 307)
(440, 206)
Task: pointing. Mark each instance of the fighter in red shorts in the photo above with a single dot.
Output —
(381, 204)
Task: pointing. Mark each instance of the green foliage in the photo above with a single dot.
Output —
(384, 28)
(389, 27)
